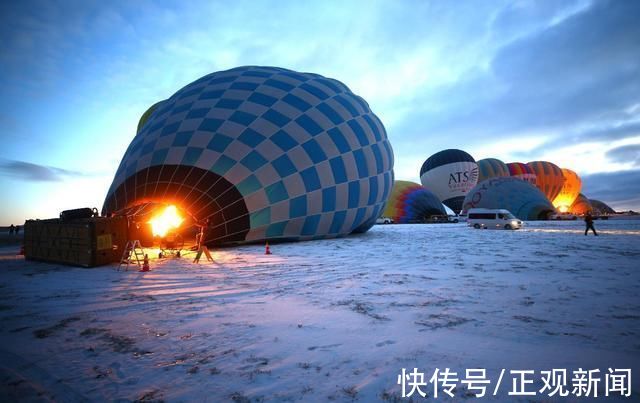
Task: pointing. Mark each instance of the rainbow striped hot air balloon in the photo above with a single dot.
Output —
(410, 202)
(491, 168)
(522, 171)
(569, 192)
(549, 178)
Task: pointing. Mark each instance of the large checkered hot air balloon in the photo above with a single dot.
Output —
(450, 174)
(263, 153)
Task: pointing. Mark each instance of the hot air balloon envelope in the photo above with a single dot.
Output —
(581, 205)
(410, 202)
(600, 207)
(569, 192)
(522, 199)
(491, 168)
(549, 178)
(450, 174)
(522, 171)
(263, 153)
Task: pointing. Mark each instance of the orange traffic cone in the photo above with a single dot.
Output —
(267, 251)
(145, 264)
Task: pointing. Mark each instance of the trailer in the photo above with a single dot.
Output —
(85, 242)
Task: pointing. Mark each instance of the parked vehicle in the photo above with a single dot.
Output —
(384, 220)
(436, 219)
(454, 218)
(492, 218)
(563, 216)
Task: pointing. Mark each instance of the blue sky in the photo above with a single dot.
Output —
(515, 80)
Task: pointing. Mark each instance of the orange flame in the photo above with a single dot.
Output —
(162, 223)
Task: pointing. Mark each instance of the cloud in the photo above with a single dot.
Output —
(523, 18)
(608, 133)
(601, 133)
(582, 68)
(34, 172)
(629, 153)
(580, 74)
(621, 190)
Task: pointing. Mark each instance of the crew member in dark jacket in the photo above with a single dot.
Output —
(588, 220)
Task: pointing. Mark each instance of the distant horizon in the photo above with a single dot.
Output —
(21, 224)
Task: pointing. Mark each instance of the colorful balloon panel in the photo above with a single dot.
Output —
(410, 202)
(450, 175)
(264, 153)
(491, 168)
(522, 171)
(549, 178)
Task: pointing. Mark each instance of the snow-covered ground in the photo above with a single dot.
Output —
(328, 320)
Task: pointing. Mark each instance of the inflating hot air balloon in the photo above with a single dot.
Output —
(522, 171)
(549, 178)
(581, 205)
(491, 168)
(410, 202)
(601, 207)
(261, 153)
(570, 190)
(450, 174)
(521, 198)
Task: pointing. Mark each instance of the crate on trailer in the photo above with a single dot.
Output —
(78, 213)
(85, 242)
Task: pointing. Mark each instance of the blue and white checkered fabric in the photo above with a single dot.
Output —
(308, 156)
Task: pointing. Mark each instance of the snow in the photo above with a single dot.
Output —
(327, 320)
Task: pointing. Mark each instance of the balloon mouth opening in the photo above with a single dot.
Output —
(204, 197)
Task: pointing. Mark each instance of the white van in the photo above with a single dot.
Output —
(492, 218)
(384, 220)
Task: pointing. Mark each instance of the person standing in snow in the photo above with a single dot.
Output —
(203, 226)
(11, 228)
(588, 220)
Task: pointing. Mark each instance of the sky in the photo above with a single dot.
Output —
(514, 80)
